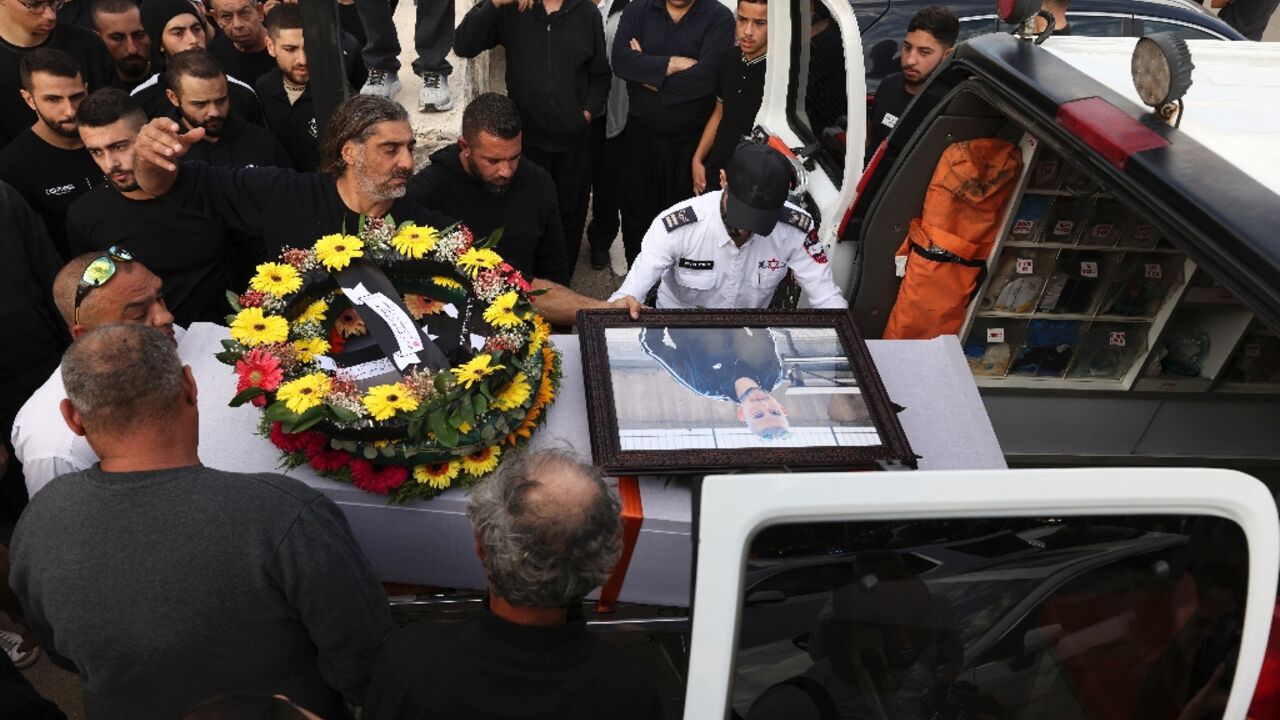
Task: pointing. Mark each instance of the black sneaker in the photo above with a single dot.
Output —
(599, 259)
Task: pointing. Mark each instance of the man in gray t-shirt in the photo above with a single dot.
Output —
(163, 582)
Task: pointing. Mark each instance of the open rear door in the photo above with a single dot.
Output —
(815, 98)
(1100, 593)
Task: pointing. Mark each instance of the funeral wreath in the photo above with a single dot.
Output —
(403, 359)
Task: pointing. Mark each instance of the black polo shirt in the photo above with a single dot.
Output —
(96, 67)
(740, 89)
(287, 209)
(190, 252)
(50, 179)
(684, 100)
(891, 101)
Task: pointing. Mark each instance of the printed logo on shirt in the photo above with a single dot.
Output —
(679, 218)
(797, 219)
(815, 248)
(311, 128)
(774, 264)
(696, 264)
(60, 190)
(889, 120)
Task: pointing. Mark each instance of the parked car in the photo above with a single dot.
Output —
(883, 23)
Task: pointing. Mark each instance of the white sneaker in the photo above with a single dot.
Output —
(10, 642)
(435, 95)
(382, 83)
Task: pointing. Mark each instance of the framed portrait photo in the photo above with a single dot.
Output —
(693, 391)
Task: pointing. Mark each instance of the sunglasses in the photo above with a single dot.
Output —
(98, 273)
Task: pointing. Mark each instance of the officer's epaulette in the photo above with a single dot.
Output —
(797, 219)
(679, 218)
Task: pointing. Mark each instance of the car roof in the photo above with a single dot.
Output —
(1232, 108)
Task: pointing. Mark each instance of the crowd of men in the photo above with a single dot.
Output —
(152, 155)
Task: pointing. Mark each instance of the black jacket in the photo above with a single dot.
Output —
(532, 239)
(242, 144)
(556, 65)
(293, 125)
(150, 95)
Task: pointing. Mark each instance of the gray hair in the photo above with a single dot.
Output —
(353, 121)
(122, 376)
(538, 550)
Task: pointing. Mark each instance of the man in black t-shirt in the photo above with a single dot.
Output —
(190, 252)
(47, 163)
(119, 24)
(242, 46)
(739, 91)
(931, 36)
(198, 95)
(23, 30)
(285, 92)
(548, 531)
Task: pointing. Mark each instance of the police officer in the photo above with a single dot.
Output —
(730, 248)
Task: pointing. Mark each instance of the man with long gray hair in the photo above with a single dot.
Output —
(547, 532)
(201, 581)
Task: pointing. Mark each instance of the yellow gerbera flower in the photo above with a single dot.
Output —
(446, 282)
(309, 348)
(546, 393)
(477, 368)
(437, 475)
(541, 331)
(384, 401)
(499, 314)
(474, 260)
(514, 394)
(314, 312)
(276, 278)
(415, 242)
(304, 393)
(252, 327)
(337, 251)
(481, 463)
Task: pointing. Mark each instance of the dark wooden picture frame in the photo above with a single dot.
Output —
(606, 444)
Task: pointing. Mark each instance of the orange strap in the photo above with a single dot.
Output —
(632, 518)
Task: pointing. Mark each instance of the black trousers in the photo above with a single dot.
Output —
(571, 171)
(658, 176)
(432, 35)
(606, 187)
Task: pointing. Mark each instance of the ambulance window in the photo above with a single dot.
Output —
(826, 99)
(1010, 617)
(1150, 27)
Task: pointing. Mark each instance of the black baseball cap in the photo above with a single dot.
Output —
(759, 180)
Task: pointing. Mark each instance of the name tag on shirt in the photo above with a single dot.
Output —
(696, 264)
(889, 120)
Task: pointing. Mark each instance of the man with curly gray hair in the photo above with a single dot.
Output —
(548, 531)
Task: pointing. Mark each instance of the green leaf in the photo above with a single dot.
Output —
(479, 404)
(230, 319)
(441, 382)
(230, 344)
(455, 420)
(484, 392)
(415, 429)
(490, 242)
(449, 438)
(370, 452)
(279, 412)
(234, 300)
(487, 434)
(228, 357)
(246, 395)
(467, 411)
(360, 226)
(437, 422)
(342, 414)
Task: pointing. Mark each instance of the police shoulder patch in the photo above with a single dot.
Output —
(814, 247)
(797, 219)
(679, 218)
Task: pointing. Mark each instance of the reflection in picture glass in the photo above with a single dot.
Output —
(739, 387)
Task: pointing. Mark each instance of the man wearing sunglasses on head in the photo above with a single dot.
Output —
(93, 289)
(26, 25)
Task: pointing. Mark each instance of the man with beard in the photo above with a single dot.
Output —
(931, 35)
(285, 91)
(366, 161)
(47, 163)
(198, 93)
(242, 46)
(175, 26)
(119, 24)
(482, 180)
(189, 251)
(26, 26)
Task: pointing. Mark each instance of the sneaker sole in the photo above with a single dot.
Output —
(428, 107)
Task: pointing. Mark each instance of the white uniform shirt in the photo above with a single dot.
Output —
(43, 443)
(700, 266)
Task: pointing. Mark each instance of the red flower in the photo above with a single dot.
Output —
(295, 257)
(323, 459)
(296, 442)
(259, 369)
(336, 341)
(368, 477)
(259, 400)
(252, 298)
(514, 277)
